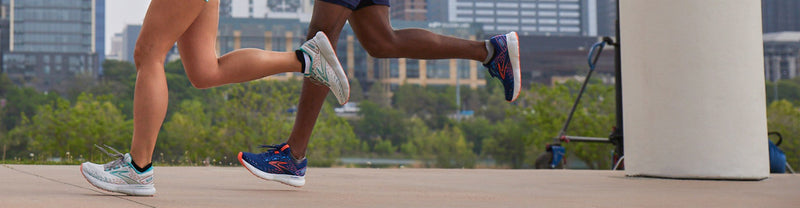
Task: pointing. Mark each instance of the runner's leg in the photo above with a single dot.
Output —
(328, 18)
(375, 33)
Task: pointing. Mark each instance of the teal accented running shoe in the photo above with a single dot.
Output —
(504, 65)
(325, 67)
(276, 164)
(119, 176)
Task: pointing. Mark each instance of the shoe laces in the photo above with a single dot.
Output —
(275, 149)
(115, 163)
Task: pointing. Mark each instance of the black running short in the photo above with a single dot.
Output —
(358, 4)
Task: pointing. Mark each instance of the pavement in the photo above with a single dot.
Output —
(63, 186)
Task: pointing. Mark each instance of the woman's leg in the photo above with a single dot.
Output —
(166, 20)
(197, 47)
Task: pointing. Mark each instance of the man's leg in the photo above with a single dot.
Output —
(374, 31)
(328, 18)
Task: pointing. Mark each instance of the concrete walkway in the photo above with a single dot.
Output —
(63, 186)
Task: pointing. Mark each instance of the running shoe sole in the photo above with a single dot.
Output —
(296, 181)
(330, 57)
(513, 52)
(132, 190)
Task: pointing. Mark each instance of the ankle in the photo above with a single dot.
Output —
(141, 168)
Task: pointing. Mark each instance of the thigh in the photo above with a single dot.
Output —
(165, 21)
(329, 18)
(197, 45)
(371, 24)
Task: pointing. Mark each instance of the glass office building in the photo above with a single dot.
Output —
(528, 17)
(50, 41)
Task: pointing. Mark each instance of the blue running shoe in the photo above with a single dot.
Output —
(505, 63)
(276, 164)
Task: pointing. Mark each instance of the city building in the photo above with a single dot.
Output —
(409, 10)
(528, 17)
(272, 9)
(555, 58)
(781, 55)
(780, 15)
(606, 17)
(116, 47)
(129, 36)
(51, 41)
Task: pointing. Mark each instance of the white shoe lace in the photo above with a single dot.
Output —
(119, 161)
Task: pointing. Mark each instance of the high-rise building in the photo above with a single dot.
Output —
(272, 9)
(528, 17)
(50, 41)
(129, 36)
(437, 10)
(780, 15)
(606, 17)
(781, 55)
(409, 10)
(116, 47)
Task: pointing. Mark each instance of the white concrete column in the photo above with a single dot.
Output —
(693, 89)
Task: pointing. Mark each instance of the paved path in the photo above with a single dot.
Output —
(63, 186)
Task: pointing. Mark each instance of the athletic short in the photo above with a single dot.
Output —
(358, 4)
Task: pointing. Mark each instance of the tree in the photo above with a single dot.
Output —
(188, 134)
(784, 117)
(548, 110)
(431, 104)
(118, 79)
(332, 137)
(381, 122)
(446, 148)
(59, 128)
(787, 90)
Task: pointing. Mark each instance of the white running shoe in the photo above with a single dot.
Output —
(325, 67)
(119, 176)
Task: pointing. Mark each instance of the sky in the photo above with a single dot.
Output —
(120, 13)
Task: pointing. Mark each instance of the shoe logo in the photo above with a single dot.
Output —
(121, 174)
(278, 164)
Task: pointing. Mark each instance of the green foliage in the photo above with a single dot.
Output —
(384, 122)
(549, 108)
(332, 138)
(22, 100)
(58, 129)
(212, 126)
(118, 80)
(784, 117)
(787, 90)
(446, 148)
(431, 104)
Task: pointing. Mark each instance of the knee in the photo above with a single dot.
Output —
(145, 58)
(380, 48)
(202, 81)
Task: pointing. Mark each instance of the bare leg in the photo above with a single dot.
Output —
(374, 30)
(197, 46)
(194, 25)
(328, 18)
(150, 94)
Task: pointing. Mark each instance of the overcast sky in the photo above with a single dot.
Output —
(120, 13)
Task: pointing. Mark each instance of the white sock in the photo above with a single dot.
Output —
(307, 59)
